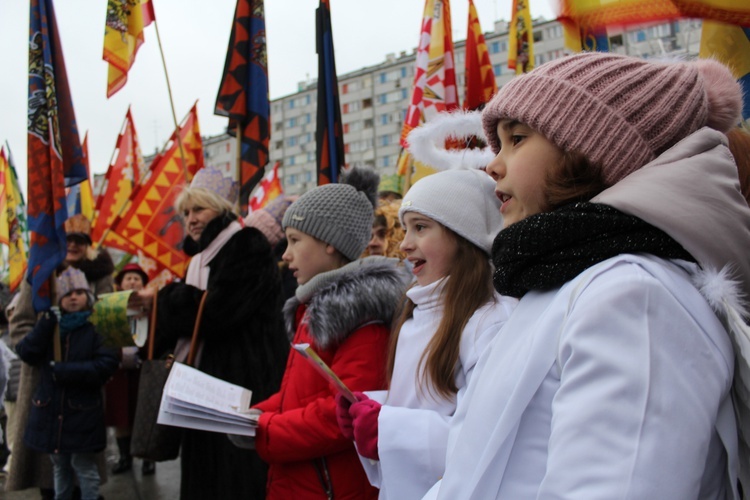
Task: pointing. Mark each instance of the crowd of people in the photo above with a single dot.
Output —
(568, 322)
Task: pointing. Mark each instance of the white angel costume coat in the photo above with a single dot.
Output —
(618, 384)
(413, 422)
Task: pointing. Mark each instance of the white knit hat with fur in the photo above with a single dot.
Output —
(464, 201)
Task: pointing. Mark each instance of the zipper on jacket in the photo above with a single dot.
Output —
(321, 468)
(62, 398)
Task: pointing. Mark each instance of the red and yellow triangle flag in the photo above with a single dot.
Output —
(150, 221)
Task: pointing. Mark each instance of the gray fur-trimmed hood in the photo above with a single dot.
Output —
(367, 290)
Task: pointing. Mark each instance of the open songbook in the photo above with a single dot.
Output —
(196, 400)
(322, 368)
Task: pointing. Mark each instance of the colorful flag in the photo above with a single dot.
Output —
(480, 84)
(521, 38)
(121, 178)
(150, 221)
(123, 36)
(434, 87)
(329, 135)
(243, 94)
(13, 223)
(730, 45)
(586, 16)
(80, 197)
(268, 189)
(55, 157)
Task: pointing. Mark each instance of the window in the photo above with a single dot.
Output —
(292, 122)
(291, 104)
(384, 140)
(403, 72)
(383, 77)
(292, 141)
(308, 176)
(368, 123)
(385, 161)
(346, 147)
(354, 106)
(310, 157)
(366, 103)
(494, 47)
(229, 147)
(278, 126)
(404, 93)
(345, 88)
(537, 36)
(382, 98)
(291, 162)
(307, 118)
(345, 108)
(293, 179)
(385, 119)
(279, 144)
(307, 99)
(346, 128)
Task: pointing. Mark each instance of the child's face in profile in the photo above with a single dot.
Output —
(75, 301)
(308, 256)
(520, 170)
(428, 246)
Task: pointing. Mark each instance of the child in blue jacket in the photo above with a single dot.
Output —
(67, 412)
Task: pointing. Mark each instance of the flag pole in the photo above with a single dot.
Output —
(171, 102)
(238, 204)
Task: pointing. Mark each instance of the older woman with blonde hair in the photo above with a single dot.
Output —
(241, 332)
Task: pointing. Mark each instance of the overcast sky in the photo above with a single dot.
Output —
(194, 37)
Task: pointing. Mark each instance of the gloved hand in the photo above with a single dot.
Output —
(364, 415)
(56, 311)
(342, 416)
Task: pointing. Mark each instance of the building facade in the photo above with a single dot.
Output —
(374, 99)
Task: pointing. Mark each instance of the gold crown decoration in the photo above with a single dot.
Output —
(78, 224)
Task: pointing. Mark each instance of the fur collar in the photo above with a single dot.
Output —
(212, 230)
(365, 291)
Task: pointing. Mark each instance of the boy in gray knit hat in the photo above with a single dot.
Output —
(342, 309)
(332, 222)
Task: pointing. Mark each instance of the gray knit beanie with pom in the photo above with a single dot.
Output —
(338, 214)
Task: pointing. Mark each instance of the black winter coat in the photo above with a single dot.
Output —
(243, 343)
(67, 414)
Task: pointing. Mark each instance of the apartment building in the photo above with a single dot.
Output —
(374, 99)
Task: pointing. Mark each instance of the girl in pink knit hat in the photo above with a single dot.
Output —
(626, 241)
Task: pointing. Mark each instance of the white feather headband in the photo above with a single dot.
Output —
(427, 142)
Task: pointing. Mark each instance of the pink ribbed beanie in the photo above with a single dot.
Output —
(618, 111)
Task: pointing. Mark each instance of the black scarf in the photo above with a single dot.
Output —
(210, 232)
(546, 250)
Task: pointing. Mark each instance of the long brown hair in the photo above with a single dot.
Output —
(468, 290)
(573, 179)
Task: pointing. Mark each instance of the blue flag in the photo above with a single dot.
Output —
(55, 156)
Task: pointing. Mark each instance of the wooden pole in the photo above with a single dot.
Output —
(239, 169)
(171, 102)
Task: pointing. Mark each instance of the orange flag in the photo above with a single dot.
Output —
(150, 221)
(479, 78)
(121, 178)
(123, 35)
(268, 189)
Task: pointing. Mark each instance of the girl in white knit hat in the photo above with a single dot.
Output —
(448, 316)
(626, 241)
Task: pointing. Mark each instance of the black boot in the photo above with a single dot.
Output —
(125, 463)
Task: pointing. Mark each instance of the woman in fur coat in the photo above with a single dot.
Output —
(241, 331)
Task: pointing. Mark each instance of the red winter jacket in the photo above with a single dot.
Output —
(297, 433)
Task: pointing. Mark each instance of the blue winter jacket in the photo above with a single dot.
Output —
(67, 411)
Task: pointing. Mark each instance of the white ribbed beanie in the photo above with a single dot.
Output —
(464, 201)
